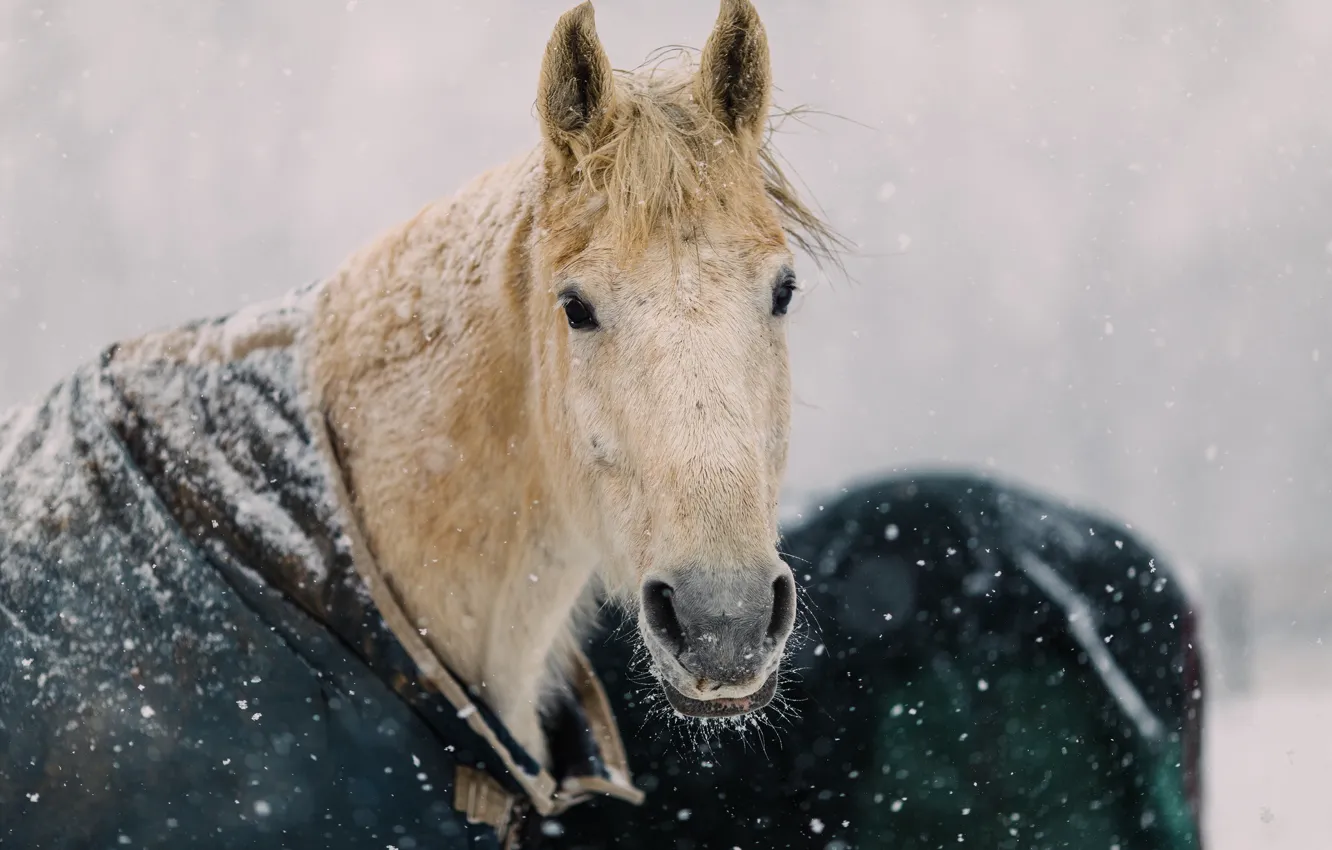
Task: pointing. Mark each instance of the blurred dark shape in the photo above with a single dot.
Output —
(983, 665)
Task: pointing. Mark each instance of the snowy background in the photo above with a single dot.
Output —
(1095, 253)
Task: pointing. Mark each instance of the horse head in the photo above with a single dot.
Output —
(662, 249)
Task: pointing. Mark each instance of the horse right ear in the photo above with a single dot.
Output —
(577, 84)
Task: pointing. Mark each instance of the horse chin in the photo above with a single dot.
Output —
(721, 707)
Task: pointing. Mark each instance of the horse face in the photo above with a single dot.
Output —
(679, 395)
(670, 280)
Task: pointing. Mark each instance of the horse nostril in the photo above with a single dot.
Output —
(660, 614)
(783, 608)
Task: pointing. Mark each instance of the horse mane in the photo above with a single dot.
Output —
(663, 154)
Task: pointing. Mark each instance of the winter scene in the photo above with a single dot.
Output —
(687, 426)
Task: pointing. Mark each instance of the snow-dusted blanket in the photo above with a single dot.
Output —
(194, 654)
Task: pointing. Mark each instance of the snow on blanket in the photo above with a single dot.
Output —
(187, 651)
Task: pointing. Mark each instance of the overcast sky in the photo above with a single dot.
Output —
(1095, 239)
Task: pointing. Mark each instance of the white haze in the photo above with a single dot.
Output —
(1095, 239)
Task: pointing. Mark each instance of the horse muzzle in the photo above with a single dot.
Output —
(717, 636)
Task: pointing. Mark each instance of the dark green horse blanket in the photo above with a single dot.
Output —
(194, 653)
(983, 667)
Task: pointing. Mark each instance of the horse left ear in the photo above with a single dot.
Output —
(735, 73)
(577, 85)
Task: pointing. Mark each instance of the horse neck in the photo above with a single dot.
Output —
(425, 360)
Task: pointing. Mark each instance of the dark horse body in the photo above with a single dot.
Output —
(983, 664)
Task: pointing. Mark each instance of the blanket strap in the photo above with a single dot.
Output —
(482, 799)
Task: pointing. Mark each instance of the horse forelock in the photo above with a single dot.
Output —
(660, 163)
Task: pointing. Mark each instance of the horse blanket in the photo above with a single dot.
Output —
(983, 667)
(196, 650)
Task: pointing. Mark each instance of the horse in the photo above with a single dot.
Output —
(567, 383)
(577, 368)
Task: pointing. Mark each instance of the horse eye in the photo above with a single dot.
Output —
(579, 313)
(782, 293)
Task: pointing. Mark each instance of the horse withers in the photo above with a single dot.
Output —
(323, 566)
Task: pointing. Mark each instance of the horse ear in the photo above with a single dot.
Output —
(735, 75)
(577, 84)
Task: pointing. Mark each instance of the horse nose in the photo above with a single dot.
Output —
(722, 630)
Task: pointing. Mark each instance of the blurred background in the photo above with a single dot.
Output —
(1094, 254)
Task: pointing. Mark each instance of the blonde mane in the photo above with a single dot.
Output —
(664, 156)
